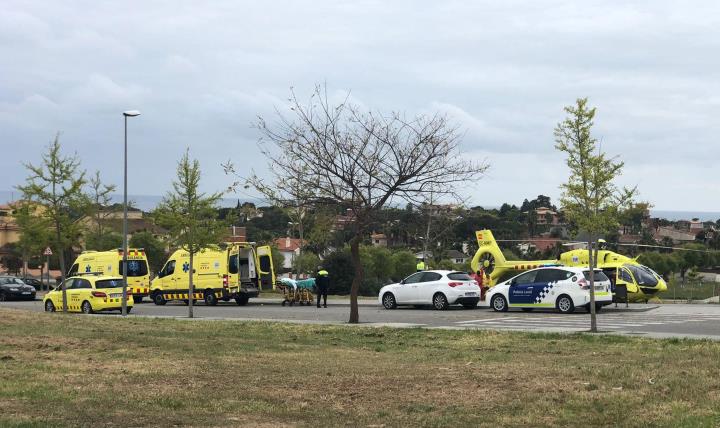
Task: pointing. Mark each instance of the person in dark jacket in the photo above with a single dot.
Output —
(322, 280)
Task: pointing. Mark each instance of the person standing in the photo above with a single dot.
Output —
(420, 266)
(322, 280)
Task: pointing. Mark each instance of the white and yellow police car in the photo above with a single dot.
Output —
(559, 287)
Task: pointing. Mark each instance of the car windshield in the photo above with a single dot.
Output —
(109, 283)
(459, 276)
(599, 275)
(16, 281)
(643, 275)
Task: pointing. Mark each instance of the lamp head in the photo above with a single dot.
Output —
(131, 113)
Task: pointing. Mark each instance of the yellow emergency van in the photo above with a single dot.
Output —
(237, 272)
(110, 263)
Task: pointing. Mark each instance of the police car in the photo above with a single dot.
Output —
(559, 287)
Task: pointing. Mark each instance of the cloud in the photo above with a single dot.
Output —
(503, 71)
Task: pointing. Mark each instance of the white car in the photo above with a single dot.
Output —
(440, 288)
(563, 288)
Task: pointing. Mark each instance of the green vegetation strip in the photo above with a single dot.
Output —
(74, 370)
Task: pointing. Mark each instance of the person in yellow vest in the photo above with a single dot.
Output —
(420, 266)
(322, 281)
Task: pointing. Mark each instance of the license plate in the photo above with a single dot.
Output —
(472, 293)
(116, 296)
(26, 292)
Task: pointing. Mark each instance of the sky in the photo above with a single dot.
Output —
(202, 72)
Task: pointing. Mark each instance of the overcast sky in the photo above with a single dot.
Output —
(200, 72)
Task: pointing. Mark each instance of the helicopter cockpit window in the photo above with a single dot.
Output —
(625, 276)
(643, 276)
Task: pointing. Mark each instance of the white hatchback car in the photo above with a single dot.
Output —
(440, 288)
(560, 287)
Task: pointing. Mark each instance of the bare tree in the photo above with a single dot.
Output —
(361, 161)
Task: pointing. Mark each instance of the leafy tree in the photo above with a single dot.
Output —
(56, 185)
(306, 263)
(404, 264)
(34, 230)
(590, 199)
(104, 242)
(362, 161)
(99, 209)
(12, 260)
(154, 249)
(190, 216)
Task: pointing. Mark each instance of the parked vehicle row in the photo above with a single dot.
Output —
(548, 287)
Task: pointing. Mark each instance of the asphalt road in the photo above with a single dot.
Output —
(667, 320)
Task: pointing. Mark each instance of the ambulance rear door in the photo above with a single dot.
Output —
(266, 271)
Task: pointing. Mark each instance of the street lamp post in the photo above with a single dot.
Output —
(126, 114)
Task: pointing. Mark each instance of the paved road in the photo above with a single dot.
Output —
(671, 320)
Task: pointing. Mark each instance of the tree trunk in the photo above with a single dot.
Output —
(61, 257)
(191, 288)
(357, 279)
(591, 260)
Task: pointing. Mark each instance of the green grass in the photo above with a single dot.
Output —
(691, 290)
(74, 370)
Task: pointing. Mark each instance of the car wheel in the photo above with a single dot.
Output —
(527, 309)
(137, 299)
(86, 308)
(158, 298)
(565, 304)
(598, 308)
(128, 309)
(3, 297)
(389, 301)
(242, 300)
(210, 298)
(49, 307)
(440, 302)
(498, 303)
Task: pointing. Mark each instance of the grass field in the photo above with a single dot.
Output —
(74, 370)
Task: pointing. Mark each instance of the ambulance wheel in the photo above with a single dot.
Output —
(86, 307)
(389, 301)
(440, 302)
(226, 299)
(137, 299)
(158, 298)
(129, 309)
(210, 298)
(565, 304)
(499, 304)
(242, 300)
(49, 307)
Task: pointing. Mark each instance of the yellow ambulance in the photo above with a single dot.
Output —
(237, 272)
(110, 263)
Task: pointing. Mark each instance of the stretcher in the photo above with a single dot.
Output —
(296, 291)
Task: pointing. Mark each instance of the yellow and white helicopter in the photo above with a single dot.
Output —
(642, 282)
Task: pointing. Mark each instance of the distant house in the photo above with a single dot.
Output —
(289, 248)
(682, 225)
(343, 221)
(379, 240)
(696, 225)
(456, 256)
(9, 229)
(547, 216)
(677, 236)
(236, 234)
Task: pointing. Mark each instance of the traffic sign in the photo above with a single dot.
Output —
(47, 252)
